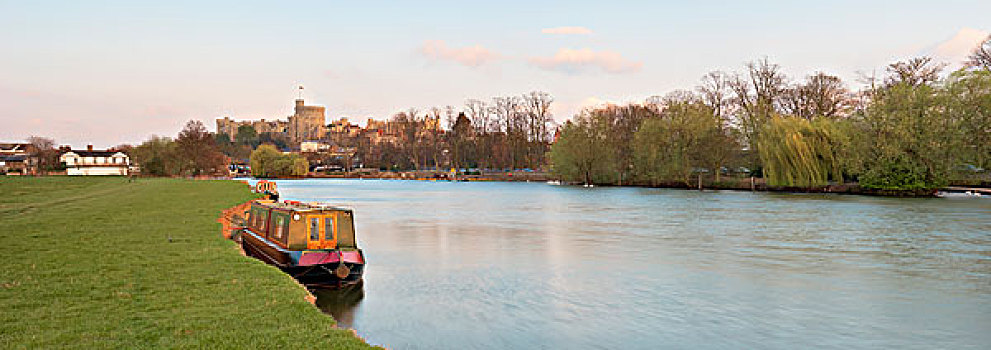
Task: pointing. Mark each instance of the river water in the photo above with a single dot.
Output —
(531, 266)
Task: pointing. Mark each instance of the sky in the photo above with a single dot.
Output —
(113, 72)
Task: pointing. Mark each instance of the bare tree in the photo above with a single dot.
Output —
(536, 107)
(45, 153)
(508, 118)
(478, 112)
(915, 72)
(757, 97)
(820, 95)
(759, 91)
(981, 56)
(198, 149)
(715, 92)
(410, 125)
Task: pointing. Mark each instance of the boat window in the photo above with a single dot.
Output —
(278, 228)
(315, 229)
(328, 233)
(264, 219)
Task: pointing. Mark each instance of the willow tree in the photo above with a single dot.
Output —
(267, 161)
(797, 152)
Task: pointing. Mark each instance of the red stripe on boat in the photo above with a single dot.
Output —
(317, 258)
(352, 257)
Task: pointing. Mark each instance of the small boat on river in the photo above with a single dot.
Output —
(314, 243)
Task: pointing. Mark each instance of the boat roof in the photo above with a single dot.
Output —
(297, 206)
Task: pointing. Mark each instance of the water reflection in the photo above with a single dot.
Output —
(342, 303)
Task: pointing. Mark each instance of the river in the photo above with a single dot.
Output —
(454, 265)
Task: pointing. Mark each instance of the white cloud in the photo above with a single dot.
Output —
(570, 60)
(957, 48)
(567, 30)
(472, 56)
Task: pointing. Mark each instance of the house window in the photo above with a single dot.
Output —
(328, 233)
(315, 229)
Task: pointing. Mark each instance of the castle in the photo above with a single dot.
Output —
(306, 123)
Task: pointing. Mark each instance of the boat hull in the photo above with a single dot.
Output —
(313, 268)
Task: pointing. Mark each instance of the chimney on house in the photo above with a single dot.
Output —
(89, 148)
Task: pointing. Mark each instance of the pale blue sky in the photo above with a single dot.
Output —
(109, 72)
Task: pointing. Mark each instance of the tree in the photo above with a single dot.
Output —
(820, 95)
(263, 161)
(267, 161)
(716, 93)
(198, 149)
(158, 156)
(247, 135)
(912, 143)
(45, 153)
(966, 100)
(621, 123)
(582, 152)
(914, 72)
(797, 152)
(538, 122)
(478, 112)
(280, 140)
(506, 111)
(410, 134)
(757, 97)
(981, 56)
(686, 137)
(459, 141)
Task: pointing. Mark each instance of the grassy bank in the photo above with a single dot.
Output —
(103, 262)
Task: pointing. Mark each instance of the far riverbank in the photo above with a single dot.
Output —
(705, 183)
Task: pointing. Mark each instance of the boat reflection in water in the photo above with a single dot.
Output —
(341, 303)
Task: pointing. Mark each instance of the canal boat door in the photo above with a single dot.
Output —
(321, 232)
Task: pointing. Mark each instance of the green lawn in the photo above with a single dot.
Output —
(92, 262)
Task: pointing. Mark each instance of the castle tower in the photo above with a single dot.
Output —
(307, 122)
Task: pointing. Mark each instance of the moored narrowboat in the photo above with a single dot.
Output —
(314, 243)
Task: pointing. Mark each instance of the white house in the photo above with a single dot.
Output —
(313, 146)
(90, 162)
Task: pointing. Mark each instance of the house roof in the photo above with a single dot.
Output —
(84, 153)
(13, 146)
(14, 158)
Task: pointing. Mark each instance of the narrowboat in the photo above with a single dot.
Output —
(314, 243)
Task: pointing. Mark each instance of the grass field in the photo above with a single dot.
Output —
(105, 263)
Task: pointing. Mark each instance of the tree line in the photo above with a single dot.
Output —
(909, 129)
(193, 152)
(196, 151)
(510, 132)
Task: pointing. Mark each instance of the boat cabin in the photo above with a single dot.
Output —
(299, 226)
